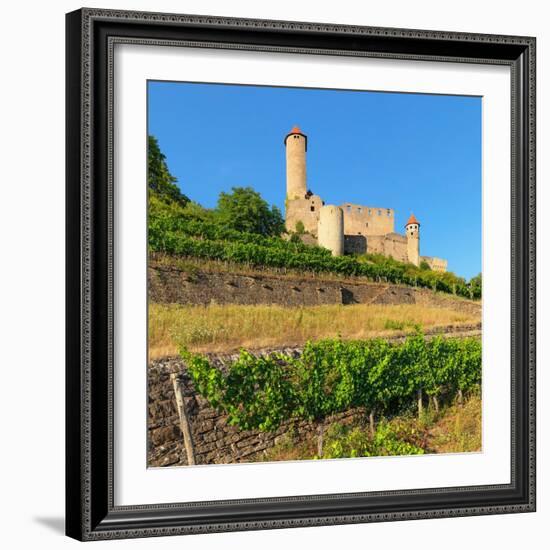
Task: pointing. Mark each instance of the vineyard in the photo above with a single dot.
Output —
(331, 376)
(172, 231)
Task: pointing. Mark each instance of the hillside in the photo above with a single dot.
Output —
(258, 308)
(264, 346)
(192, 232)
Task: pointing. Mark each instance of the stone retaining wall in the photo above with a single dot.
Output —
(215, 442)
(170, 284)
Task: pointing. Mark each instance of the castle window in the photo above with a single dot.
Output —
(367, 224)
(389, 212)
(379, 212)
(359, 210)
(312, 208)
(348, 208)
(370, 212)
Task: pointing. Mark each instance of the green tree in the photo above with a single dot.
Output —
(159, 179)
(475, 282)
(475, 286)
(244, 210)
(425, 266)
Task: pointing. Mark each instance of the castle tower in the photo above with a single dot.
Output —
(296, 147)
(412, 229)
(331, 229)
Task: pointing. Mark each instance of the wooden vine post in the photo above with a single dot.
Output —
(419, 401)
(371, 424)
(320, 437)
(184, 420)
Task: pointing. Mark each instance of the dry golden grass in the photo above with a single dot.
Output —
(459, 430)
(455, 429)
(229, 327)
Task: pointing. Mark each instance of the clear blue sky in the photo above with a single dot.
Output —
(412, 152)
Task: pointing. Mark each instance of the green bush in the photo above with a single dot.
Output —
(343, 442)
(300, 229)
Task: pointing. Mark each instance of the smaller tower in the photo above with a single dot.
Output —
(296, 147)
(331, 229)
(412, 229)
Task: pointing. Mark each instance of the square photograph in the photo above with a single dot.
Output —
(314, 273)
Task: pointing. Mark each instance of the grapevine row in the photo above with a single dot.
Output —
(305, 260)
(163, 223)
(332, 376)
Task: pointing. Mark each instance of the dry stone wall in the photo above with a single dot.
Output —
(170, 284)
(215, 442)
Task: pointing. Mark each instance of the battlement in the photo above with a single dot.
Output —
(370, 211)
(367, 220)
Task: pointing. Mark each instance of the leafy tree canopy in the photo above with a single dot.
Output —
(159, 179)
(244, 210)
(475, 282)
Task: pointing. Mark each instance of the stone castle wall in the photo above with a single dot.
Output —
(304, 210)
(436, 264)
(331, 229)
(393, 245)
(358, 220)
(367, 220)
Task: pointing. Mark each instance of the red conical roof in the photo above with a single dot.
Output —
(296, 131)
(412, 219)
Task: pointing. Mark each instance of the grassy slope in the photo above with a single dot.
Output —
(196, 265)
(456, 429)
(229, 327)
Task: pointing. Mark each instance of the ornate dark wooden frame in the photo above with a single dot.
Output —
(90, 510)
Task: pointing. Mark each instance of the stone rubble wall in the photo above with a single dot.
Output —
(174, 285)
(214, 440)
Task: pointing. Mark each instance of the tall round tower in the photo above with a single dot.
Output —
(331, 229)
(412, 228)
(296, 147)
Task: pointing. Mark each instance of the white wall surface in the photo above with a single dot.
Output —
(32, 271)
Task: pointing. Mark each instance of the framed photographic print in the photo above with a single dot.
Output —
(300, 274)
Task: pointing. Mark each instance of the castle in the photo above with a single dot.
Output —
(349, 228)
